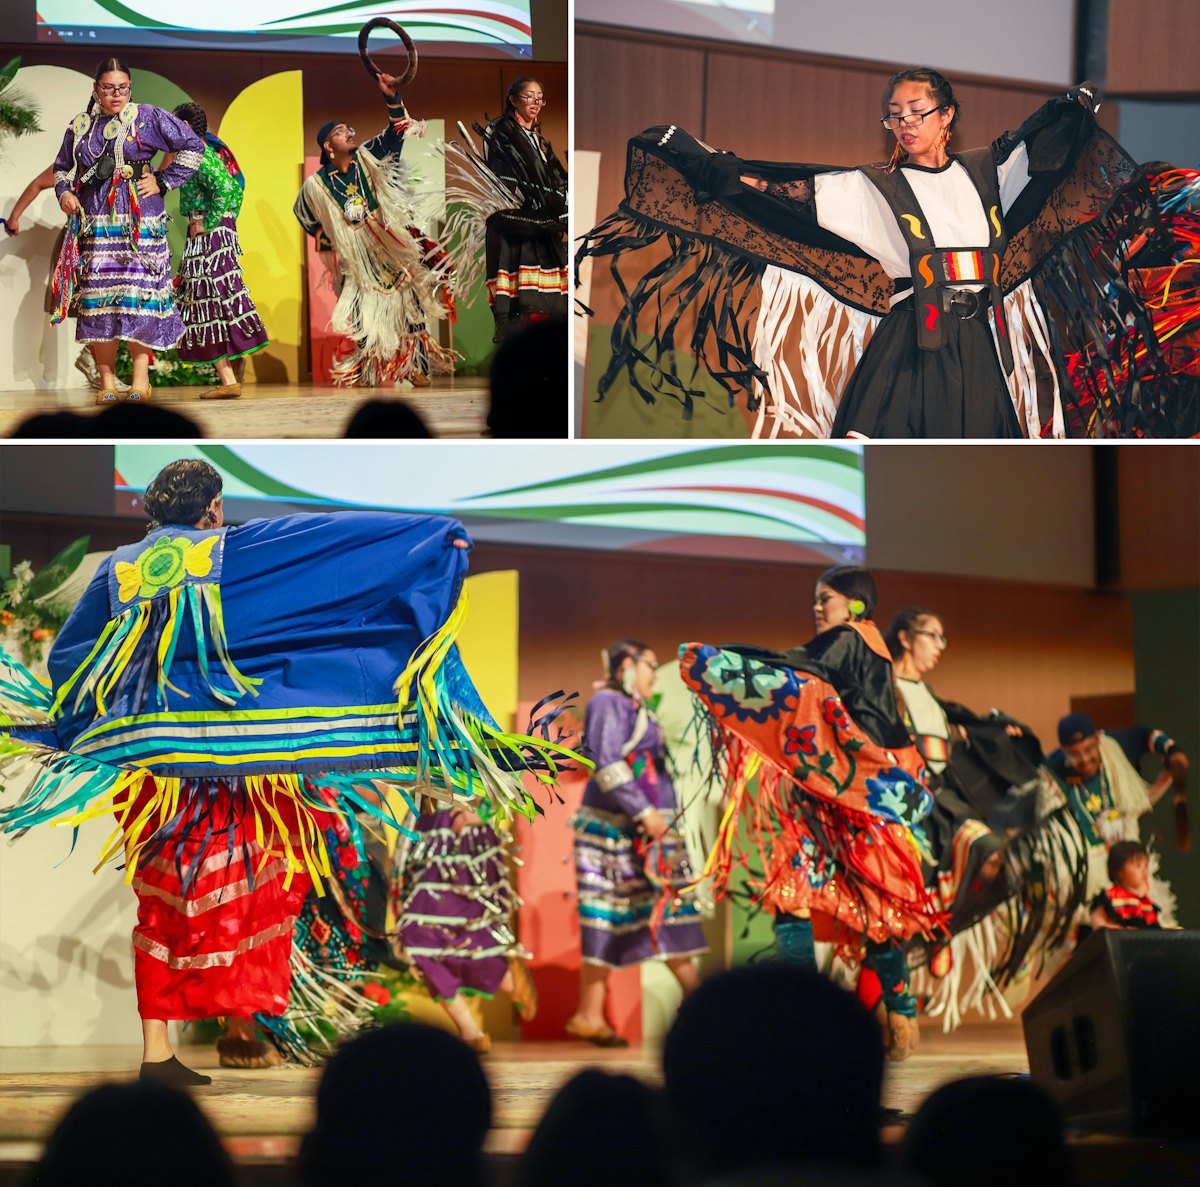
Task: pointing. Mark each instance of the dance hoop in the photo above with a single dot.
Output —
(382, 22)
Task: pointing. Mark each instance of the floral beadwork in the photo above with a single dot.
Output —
(834, 712)
(744, 688)
(811, 861)
(895, 795)
(165, 564)
(798, 739)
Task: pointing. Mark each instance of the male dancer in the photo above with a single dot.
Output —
(392, 281)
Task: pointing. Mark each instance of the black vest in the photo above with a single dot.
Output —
(936, 269)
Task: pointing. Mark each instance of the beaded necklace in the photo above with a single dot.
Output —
(352, 195)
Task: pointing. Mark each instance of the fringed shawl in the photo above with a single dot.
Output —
(297, 657)
(828, 820)
(778, 309)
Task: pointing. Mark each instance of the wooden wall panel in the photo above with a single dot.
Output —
(1157, 483)
(1152, 47)
(624, 84)
(335, 85)
(1023, 648)
(829, 113)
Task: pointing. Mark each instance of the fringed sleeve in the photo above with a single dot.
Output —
(741, 267)
(1096, 245)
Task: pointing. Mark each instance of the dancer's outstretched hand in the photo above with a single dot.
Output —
(12, 224)
(388, 84)
(69, 204)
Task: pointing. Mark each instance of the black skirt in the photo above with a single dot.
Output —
(900, 390)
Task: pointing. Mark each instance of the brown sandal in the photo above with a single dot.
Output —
(246, 1053)
(481, 1046)
(109, 395)
(136, 396)
(524, 991)
(601, 1037)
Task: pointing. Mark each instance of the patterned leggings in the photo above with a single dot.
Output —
(794, 939)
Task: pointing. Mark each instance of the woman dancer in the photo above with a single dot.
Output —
(526, 246)
(878, 288)
(103, 173)
(837, 821)
(626, 841)
(316, 654)
(454, 908)
(511, 212)
(223, 326)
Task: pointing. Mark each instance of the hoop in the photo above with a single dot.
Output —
(382, 22)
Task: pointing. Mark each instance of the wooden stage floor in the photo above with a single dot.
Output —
(265, 1112)
(262, 1114)
(450, 407)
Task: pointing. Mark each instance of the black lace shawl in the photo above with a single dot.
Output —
(1068, 232)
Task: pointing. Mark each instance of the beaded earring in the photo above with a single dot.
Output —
(857, 606)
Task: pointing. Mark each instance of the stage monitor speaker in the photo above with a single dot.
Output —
(1115, 1036)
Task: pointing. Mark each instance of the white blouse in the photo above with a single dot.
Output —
(849, 205)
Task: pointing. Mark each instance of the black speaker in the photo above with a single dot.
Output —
(1115, 1035)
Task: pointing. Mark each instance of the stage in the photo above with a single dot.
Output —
(451, 407)
(262, 1114)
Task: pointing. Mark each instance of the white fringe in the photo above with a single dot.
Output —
(391, 288)
(319, 995)
(952, 996)
(476, 193)
(1030, 340)
(798, 320)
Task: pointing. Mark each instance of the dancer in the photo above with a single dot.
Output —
(837, 823)
(526, 245)
(338, 945)
(510, 204)
(223, 326)
(862, 302)
(630, 859)
(393, 282)
(969, 856)
(316, 655)
(103, 174)
(454, 908)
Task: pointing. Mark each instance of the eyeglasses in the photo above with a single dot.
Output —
(641, 659)
(912, 120)
(936, 636)
(533, 100)
(124, 89)
(345, 130)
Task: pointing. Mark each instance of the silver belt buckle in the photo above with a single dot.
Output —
(965, 303)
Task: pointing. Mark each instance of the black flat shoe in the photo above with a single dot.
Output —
(173, 1074)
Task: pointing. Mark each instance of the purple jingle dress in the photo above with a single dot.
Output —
(125, 289)
(455, 907)
(628, 909)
